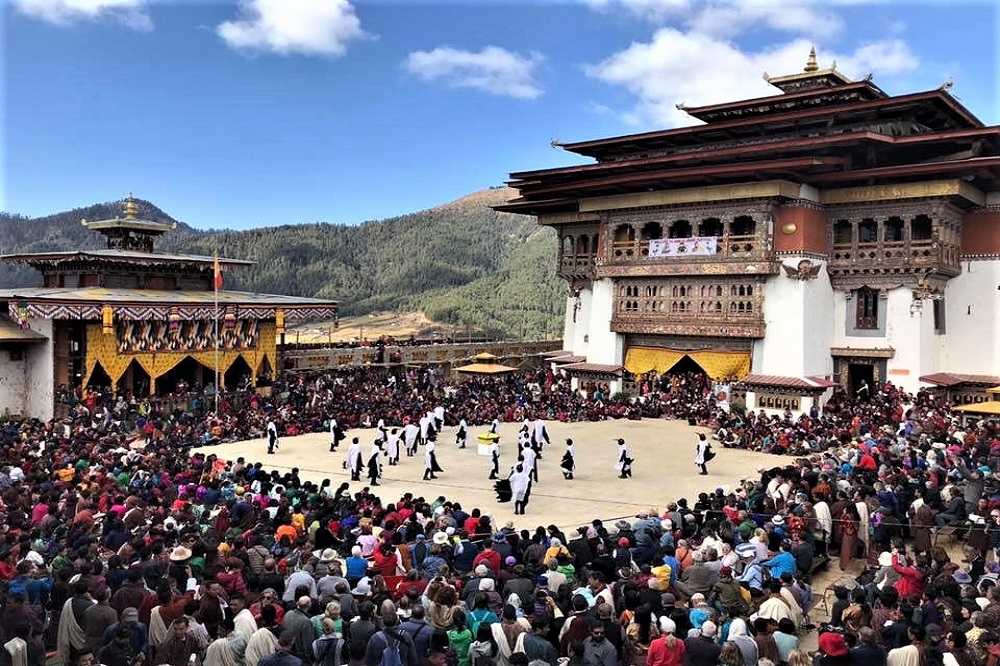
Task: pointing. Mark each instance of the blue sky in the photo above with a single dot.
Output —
(268, 112)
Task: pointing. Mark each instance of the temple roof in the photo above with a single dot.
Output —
(120, 256)
(151, 297)
(12, 333)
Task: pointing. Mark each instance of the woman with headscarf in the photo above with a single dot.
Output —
(667, 650)
(739, 636)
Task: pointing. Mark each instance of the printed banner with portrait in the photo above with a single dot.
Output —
(683, 247)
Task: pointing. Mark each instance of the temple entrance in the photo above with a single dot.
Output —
(99, 378)
(188, 375)
(860, 376)
(238, 375)
(686, 365)
(134, 380)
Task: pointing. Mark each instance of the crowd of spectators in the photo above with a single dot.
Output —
(123, 548)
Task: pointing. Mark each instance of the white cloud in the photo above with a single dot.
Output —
(493, 70)
(66, 12)
(309, 27)
(697, 69)
(730, 17)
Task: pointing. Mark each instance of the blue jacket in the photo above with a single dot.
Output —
(783, 562)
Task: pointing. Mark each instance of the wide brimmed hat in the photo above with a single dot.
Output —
(328, 555)
(440, 538)
(180, 554)
(777, 520)
(885, 559)
(363, 588)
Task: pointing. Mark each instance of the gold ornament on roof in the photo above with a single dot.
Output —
(131, 208)
(811, 64)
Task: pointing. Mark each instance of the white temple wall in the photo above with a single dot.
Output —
(13, 381)
(910, 334)
(40, 382)
(603, 345)
(575, 333)
(971, 343)
(799, 318)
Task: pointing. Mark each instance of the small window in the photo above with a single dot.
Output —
(843, 231)
(939, 328)
(868, 231)
(866, 309)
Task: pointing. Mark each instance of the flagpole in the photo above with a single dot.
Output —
(215, 286)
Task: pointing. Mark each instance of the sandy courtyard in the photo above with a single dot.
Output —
(664, 469)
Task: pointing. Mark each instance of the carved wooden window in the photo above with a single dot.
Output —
(892, 231)
(567, 246)
(680, 229)
(651, 231)
(921, 228)
(866, 309)
(868, 231)
(842, 232)
(710, 227)
(624, 233)
(743, 225)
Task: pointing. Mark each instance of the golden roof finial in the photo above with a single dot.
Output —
(811, 65)
(131, 208)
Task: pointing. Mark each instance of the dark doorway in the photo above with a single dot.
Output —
(860, 376)
(238, 375)
(99, 378)
(686, 365)
(135, 380)
(188, 375)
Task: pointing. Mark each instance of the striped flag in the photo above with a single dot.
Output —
(218, 273)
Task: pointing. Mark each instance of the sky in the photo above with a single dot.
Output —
(251, 113)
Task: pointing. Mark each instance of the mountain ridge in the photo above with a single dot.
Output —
(475, 266)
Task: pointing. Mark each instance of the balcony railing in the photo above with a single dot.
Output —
(581, 264)
(727, 248)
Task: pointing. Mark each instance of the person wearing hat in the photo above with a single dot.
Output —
(353, 460)
(461, 435)
(272, 435)
(834, 652)
(431, 466)
(374, 463)
(625, 460)
(138, 635)
(702, 454)
(568, 463)
(336, 434)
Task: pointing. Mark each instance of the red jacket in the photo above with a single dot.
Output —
(911, 581)
(490, 558)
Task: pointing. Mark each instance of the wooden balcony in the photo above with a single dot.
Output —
(906, 256)
(734, 255)
(742, 325)
(577, 266)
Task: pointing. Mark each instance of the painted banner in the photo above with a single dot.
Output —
(721, 393)
(683, 247)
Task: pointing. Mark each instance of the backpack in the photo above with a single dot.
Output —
(476, 621)
(390, 655)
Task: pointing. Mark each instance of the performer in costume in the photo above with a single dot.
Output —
(530, 461)
(392, 447)
(541, 436)
(411, 433)
(495, 425)
(272, 435)
(374, 463)
(701, 454)
(430, 462)
(520, 483)
(495, 458)
(625, 460)
(382, 432)
(438, 418)
(353, 461)
(568, 463)
(336, 434)
(463, 431)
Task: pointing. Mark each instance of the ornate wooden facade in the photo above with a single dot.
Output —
(871, 203)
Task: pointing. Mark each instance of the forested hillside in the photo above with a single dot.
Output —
(460, 263)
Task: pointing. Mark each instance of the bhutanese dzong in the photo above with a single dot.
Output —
(828, 234)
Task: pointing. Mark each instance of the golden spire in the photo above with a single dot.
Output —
(131, 208)
(811, 65)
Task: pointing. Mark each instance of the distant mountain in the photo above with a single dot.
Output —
(459, 263)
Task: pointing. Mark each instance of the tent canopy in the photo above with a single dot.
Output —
(485, 356)
(485, 368)
(992, 407)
